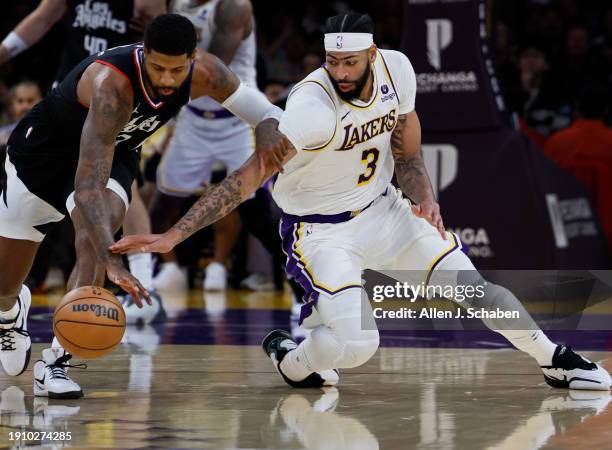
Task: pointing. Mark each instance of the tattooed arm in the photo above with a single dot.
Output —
(410, 170)
(110, 106)
(234, 23)
(219, 200)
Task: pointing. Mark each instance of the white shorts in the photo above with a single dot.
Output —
(196, 146)
(328, 258)
(25, 216)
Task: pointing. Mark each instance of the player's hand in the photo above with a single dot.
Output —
(271, 144)
(145, 243)
(118, 274)
(430, 211)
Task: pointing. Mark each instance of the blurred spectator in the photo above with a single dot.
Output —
(585, 149)
(540, 106)
(311, 62)
(23, 96)
(277, 92)
(588, 137)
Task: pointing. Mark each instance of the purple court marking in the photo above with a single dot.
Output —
(249, 326)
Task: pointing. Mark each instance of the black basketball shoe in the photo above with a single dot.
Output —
(277, 344)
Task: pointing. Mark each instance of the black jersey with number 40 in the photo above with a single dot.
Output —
(94, 26)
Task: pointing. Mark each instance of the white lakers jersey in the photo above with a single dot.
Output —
(203, 18)
(355, 165)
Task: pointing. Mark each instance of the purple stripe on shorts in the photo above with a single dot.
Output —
(298, 270)
(294, 268)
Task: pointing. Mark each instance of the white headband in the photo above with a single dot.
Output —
(348, 42)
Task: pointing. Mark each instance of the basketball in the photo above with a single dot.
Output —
(89, 322)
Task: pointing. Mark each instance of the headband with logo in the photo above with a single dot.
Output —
(348, 42)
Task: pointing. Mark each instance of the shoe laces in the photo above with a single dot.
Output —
(58, 368)
(7, 337)
(568, 360)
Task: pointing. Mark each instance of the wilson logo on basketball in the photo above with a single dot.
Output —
(98, 310)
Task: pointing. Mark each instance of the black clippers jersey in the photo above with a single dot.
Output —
(94, 26)
(45, 145)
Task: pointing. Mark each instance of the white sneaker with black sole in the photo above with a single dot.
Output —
(15, 343)
(569, 370)
(51, 375)
(277, 344)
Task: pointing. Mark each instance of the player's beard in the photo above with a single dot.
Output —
(359, 85)
(158, 95)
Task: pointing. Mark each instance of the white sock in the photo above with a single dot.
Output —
(141, 266)
(11, 313)
(533, 342)
(295, 364)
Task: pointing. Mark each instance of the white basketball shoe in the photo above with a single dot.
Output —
(171, 277)
(215, 278)
(51, 375)
(15, 343)
(570, 370)
(147, 314)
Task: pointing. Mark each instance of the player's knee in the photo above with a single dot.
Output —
(457, 260)
(344, 345)
(359, 350)
(358, 345)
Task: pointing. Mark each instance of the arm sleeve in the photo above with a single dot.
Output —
(406, 84)
(309, 120)
(251, 106)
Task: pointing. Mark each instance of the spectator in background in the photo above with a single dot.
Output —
(543, 109)
(23, 96)
(588, 137)
(585, 149)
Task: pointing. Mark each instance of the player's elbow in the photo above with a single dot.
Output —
(85, 195)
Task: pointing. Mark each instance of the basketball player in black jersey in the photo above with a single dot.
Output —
(77, 153)
(93, 26)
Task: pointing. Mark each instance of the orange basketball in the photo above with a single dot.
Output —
(89, 322)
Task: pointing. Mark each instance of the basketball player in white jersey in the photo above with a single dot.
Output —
(207, 133)
(352, 124)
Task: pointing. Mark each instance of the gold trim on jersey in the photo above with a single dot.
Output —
(443, 254)
(374, 86)
(331, 98)
(388, 74)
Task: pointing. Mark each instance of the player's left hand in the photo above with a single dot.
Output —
(430, 211)
(271, 144)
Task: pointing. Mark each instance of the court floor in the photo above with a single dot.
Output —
(200, 380)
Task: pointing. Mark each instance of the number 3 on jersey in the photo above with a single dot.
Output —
(369, 158)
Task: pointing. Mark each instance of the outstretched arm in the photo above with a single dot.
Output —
(110, 109)
(32, 28)
(220, 200)
(410, 170)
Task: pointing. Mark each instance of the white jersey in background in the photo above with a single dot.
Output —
(243, 63)
(206, 133)
(344, 158)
